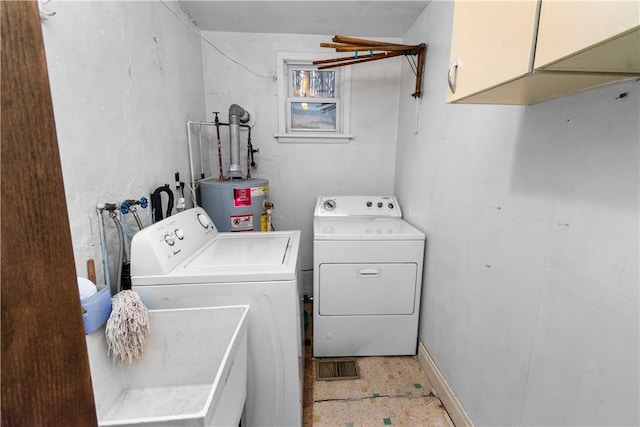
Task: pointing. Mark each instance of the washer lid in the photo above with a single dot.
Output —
(242, 250)
(365, 229)
(235, 258)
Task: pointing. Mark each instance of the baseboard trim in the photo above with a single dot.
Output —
(442, 389)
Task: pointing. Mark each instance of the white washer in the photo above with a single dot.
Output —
(183, 261)
(367, 276)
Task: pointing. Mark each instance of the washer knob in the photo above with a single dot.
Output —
(369, 203)
(380, 204)
(391, 206)
(204, 222)
(169, 240)
(179, 233)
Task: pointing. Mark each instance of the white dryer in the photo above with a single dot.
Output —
(367, 276)
(183, 261)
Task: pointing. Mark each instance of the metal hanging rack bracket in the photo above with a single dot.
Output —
(384, 50)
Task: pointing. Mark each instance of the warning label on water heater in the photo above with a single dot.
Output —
(241, 222)
(259, 191)
(242, 196)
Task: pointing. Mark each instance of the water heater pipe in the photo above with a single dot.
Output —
(237, 115)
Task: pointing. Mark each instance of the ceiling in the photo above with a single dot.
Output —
(391, 18)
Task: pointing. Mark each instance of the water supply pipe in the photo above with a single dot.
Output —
(123, 279)
(111, 209)
(217, 122)
(250, 162)
(237, 115)
(129, 206)
(103, 247)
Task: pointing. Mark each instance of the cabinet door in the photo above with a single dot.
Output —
(598, 36)
(492, 42)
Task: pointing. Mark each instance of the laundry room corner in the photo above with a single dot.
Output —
(140, 69)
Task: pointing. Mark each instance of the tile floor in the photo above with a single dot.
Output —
(391, 391)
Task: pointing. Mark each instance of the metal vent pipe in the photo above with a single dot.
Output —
(237, 115)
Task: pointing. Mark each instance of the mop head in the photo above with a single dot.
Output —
(127, 328)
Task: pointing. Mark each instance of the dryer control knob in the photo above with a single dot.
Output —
(369, 203)
(380, 204)
(391, 206)
(329, 205)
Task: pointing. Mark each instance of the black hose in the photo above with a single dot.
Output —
(156, 202)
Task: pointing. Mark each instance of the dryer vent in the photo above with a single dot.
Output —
(237, 115)
(337, 369)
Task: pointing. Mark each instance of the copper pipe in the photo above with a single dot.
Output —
(249, 153)
(217, 123)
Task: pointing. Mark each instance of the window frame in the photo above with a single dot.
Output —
(287, 60)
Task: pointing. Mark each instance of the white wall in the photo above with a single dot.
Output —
(299, 173)
(125, 77)
(530, 302)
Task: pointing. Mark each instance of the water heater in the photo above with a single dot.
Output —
(236, 205)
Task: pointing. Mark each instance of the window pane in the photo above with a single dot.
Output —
(313, 115)
(313, 84)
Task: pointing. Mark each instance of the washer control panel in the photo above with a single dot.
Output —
(357, 206)
(160, 247)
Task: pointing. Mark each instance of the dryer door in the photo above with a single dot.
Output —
(367, 289)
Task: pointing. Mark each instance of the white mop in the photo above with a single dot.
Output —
(127, 328)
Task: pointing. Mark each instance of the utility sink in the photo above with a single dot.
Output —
(193, 371)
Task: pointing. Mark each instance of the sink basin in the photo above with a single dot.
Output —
(192, 372)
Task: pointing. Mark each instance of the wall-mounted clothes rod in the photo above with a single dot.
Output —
(364, 52)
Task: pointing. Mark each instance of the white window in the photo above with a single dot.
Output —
(313, 105)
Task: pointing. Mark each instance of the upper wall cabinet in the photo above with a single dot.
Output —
(596, 36)
(525, 52)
